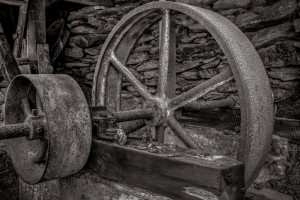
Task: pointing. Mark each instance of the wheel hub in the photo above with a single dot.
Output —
(161, 112)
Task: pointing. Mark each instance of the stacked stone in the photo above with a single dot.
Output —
(89, 27)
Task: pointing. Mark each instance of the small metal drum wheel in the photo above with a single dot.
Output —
(65, 144)
(257, 113)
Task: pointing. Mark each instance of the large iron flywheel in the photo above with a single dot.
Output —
(246, 69)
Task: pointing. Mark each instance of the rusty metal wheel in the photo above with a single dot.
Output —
(246, 68)
(58, 110)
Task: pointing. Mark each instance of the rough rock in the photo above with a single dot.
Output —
(212, 64)
(279, 11)
(184, 20)
(258, 3)
(76, 23)
(196, 48)
(189, 75)
(266, 194)
(271, 35)
(92, 51)
(186, 65)
(75, 53)
(151, 81)
(146, 38)
(148, 66)
(81, 30)
(151, 74)
(285, 74)
(197, 28)
(90, 76)
(76, 65)
(143, 48)
(280, 54)
(89, 40)
(197, 2)
(297, 25)
(229, 4)
(115, 11)
(82, 13)
(137, 58)
(207, 73)
(189, 39)
(105, 28)
(282, 94)
(287, 85)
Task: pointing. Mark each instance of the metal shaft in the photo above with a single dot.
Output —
(14, 131)
(133, 114)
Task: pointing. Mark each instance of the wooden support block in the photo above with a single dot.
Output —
(178, 175)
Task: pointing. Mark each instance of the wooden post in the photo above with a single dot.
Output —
(18, 40)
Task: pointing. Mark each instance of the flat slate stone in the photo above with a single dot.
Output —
(279, 11)
(285, 74)
(297, 25)
(75, 53)
(268, 36)
(148, 66)
(266, 194)
(229, 4)
(280, 54)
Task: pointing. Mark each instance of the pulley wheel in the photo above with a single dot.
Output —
(246, 69)
(64, 148)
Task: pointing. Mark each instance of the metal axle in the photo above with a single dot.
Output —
(14, 131)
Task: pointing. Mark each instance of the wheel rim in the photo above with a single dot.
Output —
(252, 81)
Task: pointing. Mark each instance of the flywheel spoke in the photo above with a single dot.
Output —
(228, 102)
(182, 134)
(130, 77)
(167, 69)
(201, 89)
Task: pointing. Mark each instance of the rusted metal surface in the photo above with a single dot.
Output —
(257, 113)
(14, 130)
(67, 126)
(194, 106)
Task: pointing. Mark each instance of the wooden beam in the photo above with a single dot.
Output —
(178, 175)
(44, 65)
(18, 39)
(13, 2)
(8, 64)
(83, 2)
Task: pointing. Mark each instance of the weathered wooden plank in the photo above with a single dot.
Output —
(20, 30)
(44, 65)
(84, 2)
(177, 175)
(8, 64)
(36, 28)
(13, 2)
(25, 68)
